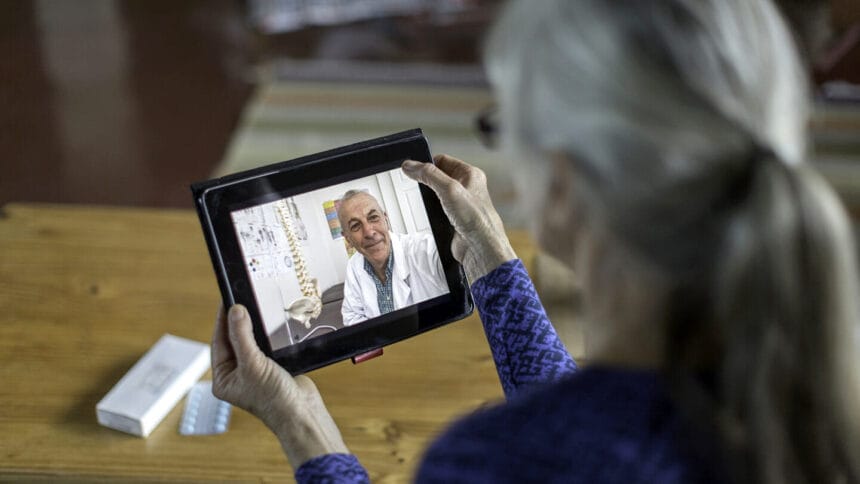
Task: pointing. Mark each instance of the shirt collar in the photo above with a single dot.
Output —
(388, 267)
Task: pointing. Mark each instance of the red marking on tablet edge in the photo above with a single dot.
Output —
(366, 356)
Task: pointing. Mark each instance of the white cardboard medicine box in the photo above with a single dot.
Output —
(154, 385)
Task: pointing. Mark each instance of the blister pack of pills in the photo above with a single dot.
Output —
(204, 414)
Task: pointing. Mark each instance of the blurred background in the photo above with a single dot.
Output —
(126, 102)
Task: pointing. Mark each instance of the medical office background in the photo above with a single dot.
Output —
(269, 259)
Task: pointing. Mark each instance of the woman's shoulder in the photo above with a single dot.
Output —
(597, 425)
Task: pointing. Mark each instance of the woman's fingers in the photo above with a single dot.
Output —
(242, 335)
(480, 243)
(454, 167)
(430, 175)
(459, 247)
(293, 409)
(458, 203)
(222, 351)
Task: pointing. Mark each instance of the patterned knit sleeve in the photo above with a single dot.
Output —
(332, 469)
(525, 346)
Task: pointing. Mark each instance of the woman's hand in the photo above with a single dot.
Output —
(291, 407)
(480, 243)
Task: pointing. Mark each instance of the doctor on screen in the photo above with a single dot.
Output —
(388, 271)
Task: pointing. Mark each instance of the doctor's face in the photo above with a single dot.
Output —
(365, 225)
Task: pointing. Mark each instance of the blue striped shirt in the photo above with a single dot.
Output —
(384, 290)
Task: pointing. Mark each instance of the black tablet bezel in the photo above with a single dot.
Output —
(217, 199)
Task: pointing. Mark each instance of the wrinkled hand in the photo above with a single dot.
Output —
(291, 407)
(480, 243)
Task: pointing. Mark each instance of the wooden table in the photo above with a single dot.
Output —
(85, 291)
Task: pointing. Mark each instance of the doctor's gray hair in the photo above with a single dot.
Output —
(683, 126)
(352, 193)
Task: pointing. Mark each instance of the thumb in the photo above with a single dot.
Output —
(452, 195)
(242, 335)
(430, 175)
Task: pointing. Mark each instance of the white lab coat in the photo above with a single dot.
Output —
(416, 276)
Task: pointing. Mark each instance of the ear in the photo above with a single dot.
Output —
(561, 215)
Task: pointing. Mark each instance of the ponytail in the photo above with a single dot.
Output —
(781, 310)
(747, 263)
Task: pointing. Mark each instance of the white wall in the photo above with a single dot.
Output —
(275, 282)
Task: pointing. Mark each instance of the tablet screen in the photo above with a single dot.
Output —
(337, 256)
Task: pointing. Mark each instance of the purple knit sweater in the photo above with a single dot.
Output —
(558, 424)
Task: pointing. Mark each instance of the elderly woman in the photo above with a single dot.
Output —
(666, 143)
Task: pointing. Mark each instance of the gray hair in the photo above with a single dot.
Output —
(352, 193)
(684, 125)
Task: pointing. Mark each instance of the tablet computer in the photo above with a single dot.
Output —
(334, 254)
